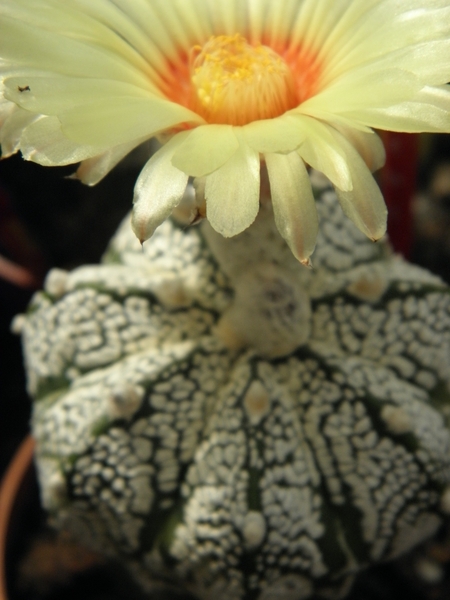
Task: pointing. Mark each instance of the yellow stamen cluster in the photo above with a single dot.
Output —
(236, 83)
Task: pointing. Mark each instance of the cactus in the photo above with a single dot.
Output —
(229, 422)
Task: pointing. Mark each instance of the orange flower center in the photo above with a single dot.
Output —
(236, 83)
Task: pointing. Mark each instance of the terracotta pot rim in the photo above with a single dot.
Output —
(9, 488)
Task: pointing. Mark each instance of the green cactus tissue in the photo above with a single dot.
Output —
(230, 422)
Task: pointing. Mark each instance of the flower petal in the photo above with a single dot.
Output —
(6, 108)
(43, 142)
(52, 94)
(357, 41)
(293, 202)
(283, 134)
(232, 193)
(257, 10)
(270, 22)
(368, 145)
(173, 27)
(227, 17)
(44, 49)
(123, 119)
(159, 188)
(365, 87)
(430, 111)
(205, 150)
(12, 128)
(316, 21)
(364, 204)
(128, 24)
(420, 59)
(322, 151)
(93, 170)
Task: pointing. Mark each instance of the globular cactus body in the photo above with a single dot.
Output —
(229, 421)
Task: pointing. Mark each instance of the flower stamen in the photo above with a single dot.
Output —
(236, 83)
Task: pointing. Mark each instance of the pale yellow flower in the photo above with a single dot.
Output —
(228, 85)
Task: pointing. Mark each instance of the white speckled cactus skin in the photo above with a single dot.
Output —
(233, 423)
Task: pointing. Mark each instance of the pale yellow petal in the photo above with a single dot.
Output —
(205, 150)
(397, 25)
(428, 112)
(293, 202)
(283, 134)
(159, 189)
(322, 151)
(193, 19)
(99, 24)
(257, 11)
(163, 31)
(315, 22)
(364, 204)
(339, 35)
(51, 95)
(232, 193)
(43, 142)
(93, 170)
(133, 41)
(430, 61)
(333, 119)
(132, 31)
(408, 117)
(12, 128)
(270, 22)
(6, 108)
(227, 17)
(123, 119)
(27, 45)
(184, 24)
(368, 145)
(362, 88)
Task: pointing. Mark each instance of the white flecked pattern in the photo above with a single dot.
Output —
(228, 439)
